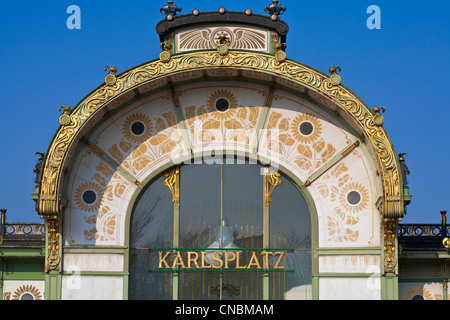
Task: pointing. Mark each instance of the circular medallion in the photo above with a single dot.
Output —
(335, 80)
(89, 197)
(306, 128)
(110, 79)
(165, 56)
(354, 197)
(378, 119)
(64, 119)
(222, 49)
(281, 56)
(222, 105)
(138, 128)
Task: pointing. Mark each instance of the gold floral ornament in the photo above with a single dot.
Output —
(306, 128)
(137, 128)
(88, 196)
(222, 112)
(354, 197)
(27, 290)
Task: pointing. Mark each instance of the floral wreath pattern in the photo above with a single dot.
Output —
(335, 188)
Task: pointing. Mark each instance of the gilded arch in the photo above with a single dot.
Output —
(94, 106)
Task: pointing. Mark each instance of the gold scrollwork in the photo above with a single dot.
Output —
(53, 254)
(53, 169)
(172, 181)
(390, 255)
(271, 181)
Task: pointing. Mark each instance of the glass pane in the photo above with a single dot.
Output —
(290, 228)
(243, 213)
(199, 218)
(151, 227)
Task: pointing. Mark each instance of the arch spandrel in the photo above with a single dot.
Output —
(188, 66)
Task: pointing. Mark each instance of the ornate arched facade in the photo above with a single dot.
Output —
(149, 120)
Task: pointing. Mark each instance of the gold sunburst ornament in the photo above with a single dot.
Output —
(222, 95)
(415, 292)
(137, 127)
(354, 197)
(88, 196)
(28, 290)
(306, 128)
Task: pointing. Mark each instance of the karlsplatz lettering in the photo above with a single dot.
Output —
(224, 260)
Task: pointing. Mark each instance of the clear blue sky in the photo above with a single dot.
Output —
(404, 66)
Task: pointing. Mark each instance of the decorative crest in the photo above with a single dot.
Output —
(335, 78)
(170, 10)
(110, 79)
(275, 9)
(64, 119)
(378, 119)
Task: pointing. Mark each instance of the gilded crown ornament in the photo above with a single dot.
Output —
(222, 42)
(110, 79)
(165, 55)
(170, 10)
(378, 119)
(335, 78)
(274, 10)
(64, 119)
(280, 55)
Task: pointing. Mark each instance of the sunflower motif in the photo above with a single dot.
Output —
(88, 196)
(354, 197)
(306, 128)
(415, 292)
(137, 127)
(224, 96)
(27, 291)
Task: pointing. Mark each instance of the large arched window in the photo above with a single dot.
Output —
(222, 238)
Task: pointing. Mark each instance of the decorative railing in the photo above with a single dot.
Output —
(24, 229)
(425, 236)
(20, 234)
(422, 230)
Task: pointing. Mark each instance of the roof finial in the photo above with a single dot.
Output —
(275, 9)
(170, 10)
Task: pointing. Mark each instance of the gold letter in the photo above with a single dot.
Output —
(254, 261)
(228, 260)
(192, 260)
(266, 254)
(218, 260)
(178, 261)
(163, 260)
(203, 261)
(277, 265)
(238, 254)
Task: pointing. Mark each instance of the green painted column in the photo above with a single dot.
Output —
(389, 287)
(53, 280)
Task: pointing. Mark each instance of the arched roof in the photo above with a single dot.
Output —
(76, 123)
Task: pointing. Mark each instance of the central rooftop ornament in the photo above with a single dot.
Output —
(275, 9)
(170, 10)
